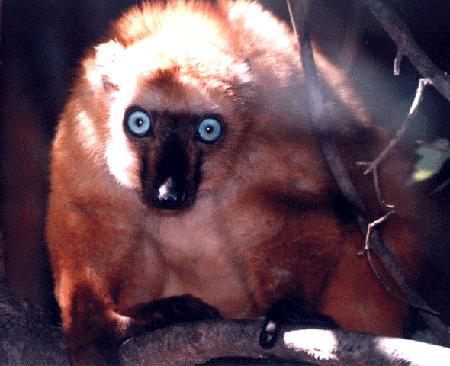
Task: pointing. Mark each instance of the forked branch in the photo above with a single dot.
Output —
(401, 131)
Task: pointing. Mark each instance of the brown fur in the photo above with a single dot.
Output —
(266, 222)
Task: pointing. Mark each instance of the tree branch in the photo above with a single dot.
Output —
(299, 17)
(406, 45)
(401, 131)
(349, 46)
(200, 342)
(26, 339)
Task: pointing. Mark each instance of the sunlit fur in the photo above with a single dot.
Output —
(265, 221)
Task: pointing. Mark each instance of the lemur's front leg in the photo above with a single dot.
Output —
(93, 328)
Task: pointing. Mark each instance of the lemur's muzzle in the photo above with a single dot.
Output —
(172, 185)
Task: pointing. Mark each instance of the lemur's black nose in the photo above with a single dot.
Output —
(170, 195)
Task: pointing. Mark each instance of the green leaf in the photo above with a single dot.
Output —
(433, 156)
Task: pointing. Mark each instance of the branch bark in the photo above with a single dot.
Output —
(406, 45)
(200, 342)
(25, 338)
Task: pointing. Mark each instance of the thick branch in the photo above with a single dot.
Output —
(401, 35)
(200, 342)
(298, 10)
(26, 339)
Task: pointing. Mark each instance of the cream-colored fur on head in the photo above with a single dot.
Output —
(206, 71)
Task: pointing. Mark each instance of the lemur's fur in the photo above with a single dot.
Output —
(259, 218)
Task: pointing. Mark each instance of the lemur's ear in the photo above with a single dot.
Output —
(104, 73)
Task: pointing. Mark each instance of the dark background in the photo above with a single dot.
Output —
(42, 41)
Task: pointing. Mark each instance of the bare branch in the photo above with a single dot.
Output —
(397, 61)
(366, 252)
(200, 342)
(298, 11)
(401, 35)
(376, 184)
(434, 146)
(441, 186)
(401, 131)
(372, 226)
(25, 338)
(349, 46)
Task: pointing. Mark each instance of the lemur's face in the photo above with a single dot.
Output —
(172, 130)
(171, 149)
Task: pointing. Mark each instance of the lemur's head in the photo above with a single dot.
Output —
(175, 105)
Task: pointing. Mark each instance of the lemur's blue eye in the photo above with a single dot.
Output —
(209, 130)
(138, 123)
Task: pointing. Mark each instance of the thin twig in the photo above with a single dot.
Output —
(400, 132)
(434, 146)
(366, 252)
(372, 226)
(376, 184)
(397, 61)
(393, 293)
(441, 186)
(401, 35)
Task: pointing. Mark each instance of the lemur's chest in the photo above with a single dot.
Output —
(189, 254)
